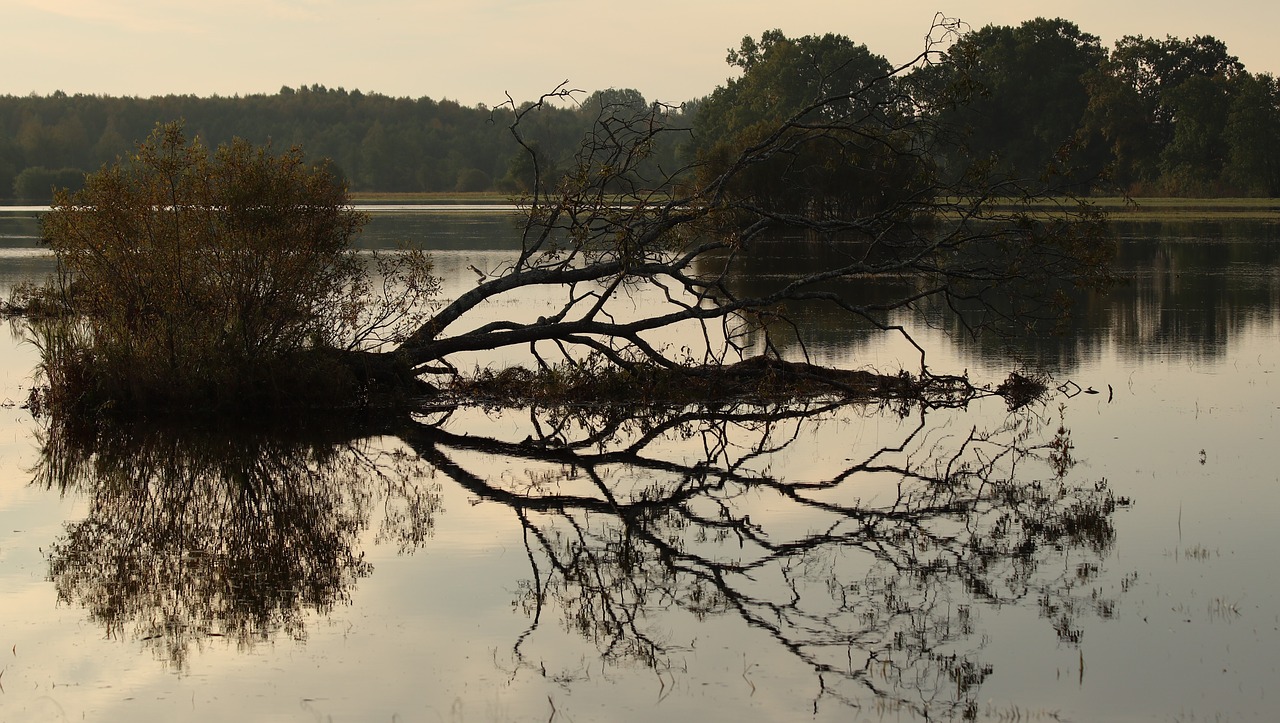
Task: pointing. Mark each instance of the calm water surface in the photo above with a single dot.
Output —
(839, 563)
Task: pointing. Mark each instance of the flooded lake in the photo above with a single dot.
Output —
(1106, 555)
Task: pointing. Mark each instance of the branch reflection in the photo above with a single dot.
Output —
(865, 544)
(871, 571)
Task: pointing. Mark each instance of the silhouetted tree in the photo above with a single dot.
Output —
(610, 230)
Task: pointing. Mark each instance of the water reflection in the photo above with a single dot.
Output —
(645, 531)
(193, 535)
(1184, 294)
(872, 573)
(1187, 289)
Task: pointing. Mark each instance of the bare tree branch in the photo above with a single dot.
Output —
(616, 228)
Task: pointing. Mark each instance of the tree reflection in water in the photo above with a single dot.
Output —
(872, 572)
(878, 591)
(199, 534)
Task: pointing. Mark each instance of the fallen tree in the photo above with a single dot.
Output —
(854, 166)
(850, 161)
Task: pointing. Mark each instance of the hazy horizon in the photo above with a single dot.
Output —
(477, 52)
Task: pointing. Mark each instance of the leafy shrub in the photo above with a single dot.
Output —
(198, 279)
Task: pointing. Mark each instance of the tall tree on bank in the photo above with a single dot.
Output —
(1139, 97)
(812, 81)
(1020, 97)
(1253, 136)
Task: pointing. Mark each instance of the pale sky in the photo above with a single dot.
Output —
(473, 51)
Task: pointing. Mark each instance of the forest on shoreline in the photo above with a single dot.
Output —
(1147, 117)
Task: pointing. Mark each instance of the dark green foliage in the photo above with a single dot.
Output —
(39, 183)
(1162, 107)
(1045, 100)
(1196, 156)
(380, 143)
(1252, 135)
(473, 179)
(1019, 95)
(1042, 102)
(831, 126)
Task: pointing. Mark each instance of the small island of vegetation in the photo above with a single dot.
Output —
(226, 281)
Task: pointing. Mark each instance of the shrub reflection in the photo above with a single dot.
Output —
(193, 534)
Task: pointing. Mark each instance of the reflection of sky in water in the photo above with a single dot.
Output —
(429, 636)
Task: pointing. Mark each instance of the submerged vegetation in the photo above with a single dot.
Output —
(758, 380)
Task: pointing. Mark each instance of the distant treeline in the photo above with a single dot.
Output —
(1149, 116)
(379, 143)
